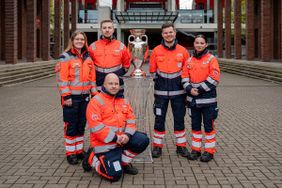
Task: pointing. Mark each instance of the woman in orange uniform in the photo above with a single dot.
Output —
(76, 80)
(200, 78)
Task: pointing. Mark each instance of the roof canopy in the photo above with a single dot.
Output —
(146, 16)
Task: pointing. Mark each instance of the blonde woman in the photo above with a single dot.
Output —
(76, 80)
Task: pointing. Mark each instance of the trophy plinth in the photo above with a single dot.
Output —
(138, 47)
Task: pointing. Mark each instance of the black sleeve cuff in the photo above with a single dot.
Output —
(201, 90)
(67, 97)
(188, 89)
(129, 135)
(115, 139)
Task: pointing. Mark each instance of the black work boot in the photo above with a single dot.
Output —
(206, 157)
(129, 169)
(85, 165)
(80, 156)
(183, 151)
(72, 159)
(157, 152)
(194, 155)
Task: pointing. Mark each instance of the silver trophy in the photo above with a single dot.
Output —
(138, 47)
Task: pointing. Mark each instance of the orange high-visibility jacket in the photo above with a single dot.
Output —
(109, 53)
(202, 73)
(167, 66)
(107, 117)
(75, 74)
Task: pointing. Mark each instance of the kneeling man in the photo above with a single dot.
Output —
(114, 138)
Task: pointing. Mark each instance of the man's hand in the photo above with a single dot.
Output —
(194, 92)
(68, 102)
(122, 139)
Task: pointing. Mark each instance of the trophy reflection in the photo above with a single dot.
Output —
(138, 47)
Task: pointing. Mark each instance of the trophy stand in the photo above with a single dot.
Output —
(137, 91)
(138, 87)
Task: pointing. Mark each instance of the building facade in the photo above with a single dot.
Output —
(26, 35)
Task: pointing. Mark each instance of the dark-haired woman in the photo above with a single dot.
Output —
(200, 78)
(76, 80)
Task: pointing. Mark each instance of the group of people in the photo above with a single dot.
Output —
(90, 82)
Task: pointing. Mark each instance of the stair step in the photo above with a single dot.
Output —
(17, 68)
(25, 74)
(22, 71)
(26, 78)
(250, 71)
(253, 74)
(252, 68)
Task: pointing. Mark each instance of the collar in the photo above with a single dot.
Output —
(167, 47)
(106, 93)
(201, 54)
(102, 37)
(76, 52)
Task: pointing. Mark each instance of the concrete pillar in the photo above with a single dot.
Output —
(228, 29)
(208, 4)
(11, 31)
(266, 31)
(31, 31)
(45, 30)
(66, 23)
(250, 30)
(172, 5)
(219, 29)
(73, 15)
(237, 27)
(215, 9)
(120, 5)
(118, 30)
(104, 13)
(57, 29)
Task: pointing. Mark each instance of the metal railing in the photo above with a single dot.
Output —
(184, 16)
(195, 16)
(88, 16)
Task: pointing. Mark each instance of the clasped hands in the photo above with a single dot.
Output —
(194, 92)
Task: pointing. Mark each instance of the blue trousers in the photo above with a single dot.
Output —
(204, 114)
(178, 109)
(110, 162)
(75, 115)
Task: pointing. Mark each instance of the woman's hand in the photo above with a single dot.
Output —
(194, 92)
(68, 102)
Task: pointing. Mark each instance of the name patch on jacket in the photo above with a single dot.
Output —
(94, 116)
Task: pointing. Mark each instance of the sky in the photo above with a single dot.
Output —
(184, 4)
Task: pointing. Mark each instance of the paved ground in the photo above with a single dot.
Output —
(249, 149)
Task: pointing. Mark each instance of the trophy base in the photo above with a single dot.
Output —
(138, 73)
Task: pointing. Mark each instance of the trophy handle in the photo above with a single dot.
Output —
(145, 37)
(130, 39)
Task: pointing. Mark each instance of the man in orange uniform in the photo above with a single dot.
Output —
(114, 139)
(109, 55)
(166, 63)
(200, 77)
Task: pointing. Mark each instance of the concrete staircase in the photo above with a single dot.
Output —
(26, 72)
(269, 71)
